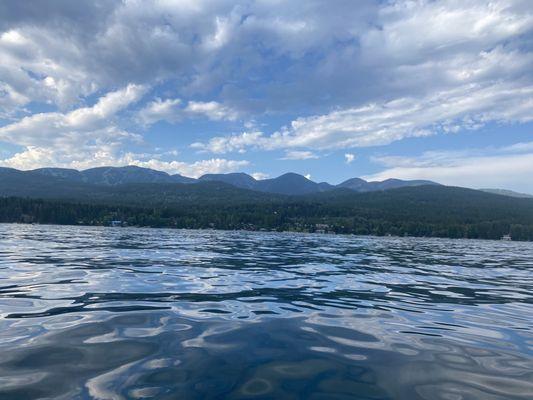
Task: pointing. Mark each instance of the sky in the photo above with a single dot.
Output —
(332, 89)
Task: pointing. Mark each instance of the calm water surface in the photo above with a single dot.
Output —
(111, 313)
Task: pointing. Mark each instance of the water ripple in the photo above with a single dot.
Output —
(142, 313)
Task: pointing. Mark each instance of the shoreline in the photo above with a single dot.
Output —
(266, 232)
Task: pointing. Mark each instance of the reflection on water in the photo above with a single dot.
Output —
(137, 313)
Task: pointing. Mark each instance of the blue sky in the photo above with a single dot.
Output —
(439, 90)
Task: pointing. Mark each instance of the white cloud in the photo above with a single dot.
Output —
(35, 157)
(467, 107)
(212, 110)
(81, 125)
(308, 176)
(226, 144)
(159, 110)
(362, 76)
(420, 27)
(170, 110)
(34, 68)
(85, 156)
(507, 167)
(349, 158)
(59, 54)
(86, 136)
(101, 44)
(195, 169)
(31, 158)
(260, 176)
(299, 155)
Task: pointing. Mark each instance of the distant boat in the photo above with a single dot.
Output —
(506, 237)
(117, 223)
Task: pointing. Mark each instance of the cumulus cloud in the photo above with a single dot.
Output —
(226, 144)
(260, 176)
(194, 169)
(339, 54)
(170, 110)
(89, 156)
(212, 110)
(349, 157)
(89, 137)
(80, 125)
(159, 110)
(86, 136)
(203, 43)
(345, 76)
(444, 80)
(507, 167)
(81, 138)
(37, 157)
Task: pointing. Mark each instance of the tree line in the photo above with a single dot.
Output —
(367, 216)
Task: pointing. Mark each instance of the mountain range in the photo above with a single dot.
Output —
(287, 184)
(144, 197)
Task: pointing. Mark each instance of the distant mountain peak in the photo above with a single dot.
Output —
(353, 184)
(229, 174)
(289, 183)
(238, 179)
(292, 175)
(63, 173)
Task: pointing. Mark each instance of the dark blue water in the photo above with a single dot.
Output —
(111, 313)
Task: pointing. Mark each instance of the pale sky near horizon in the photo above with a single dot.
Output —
(439, 90)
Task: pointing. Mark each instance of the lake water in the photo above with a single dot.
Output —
(119, 313)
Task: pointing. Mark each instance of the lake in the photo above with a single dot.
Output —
(120, 313)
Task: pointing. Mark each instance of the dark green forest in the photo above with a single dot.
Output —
(426, 211)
